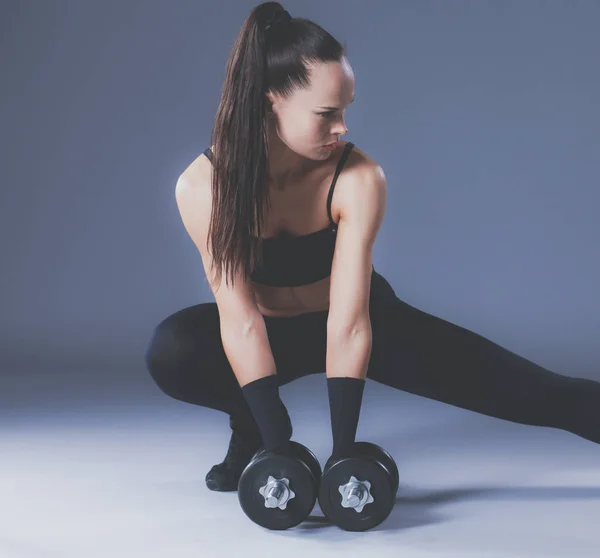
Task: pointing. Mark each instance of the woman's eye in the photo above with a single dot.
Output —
(326, 114)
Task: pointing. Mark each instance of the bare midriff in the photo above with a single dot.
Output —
(292, 301)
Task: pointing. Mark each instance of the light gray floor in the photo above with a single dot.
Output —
(93, 466)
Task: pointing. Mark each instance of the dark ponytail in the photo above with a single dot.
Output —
(270, 53)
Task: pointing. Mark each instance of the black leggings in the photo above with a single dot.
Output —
(412, 351)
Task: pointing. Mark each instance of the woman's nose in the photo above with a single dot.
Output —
(339, 130)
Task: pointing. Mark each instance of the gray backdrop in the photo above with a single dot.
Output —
(485, 118)
(483, 114)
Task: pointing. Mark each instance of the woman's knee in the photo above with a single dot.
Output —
(179, 343)
(159, 349)
(161, 356)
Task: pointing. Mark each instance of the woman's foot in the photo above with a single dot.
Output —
(224, 477)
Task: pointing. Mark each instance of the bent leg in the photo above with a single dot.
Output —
(429, 356)
(186, 359)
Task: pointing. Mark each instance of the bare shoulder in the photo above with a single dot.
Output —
(198, 173)
(358, 157)
(193, 194)
(358, 163)
(357, 167)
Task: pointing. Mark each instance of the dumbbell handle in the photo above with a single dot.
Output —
(356, 494)
(276, 492)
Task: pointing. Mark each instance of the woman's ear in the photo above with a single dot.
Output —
(269, 102)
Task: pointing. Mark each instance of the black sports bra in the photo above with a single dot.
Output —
(292, 261)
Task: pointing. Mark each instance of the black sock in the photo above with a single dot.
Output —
(345, 399)
(242, 422)
(269, 412)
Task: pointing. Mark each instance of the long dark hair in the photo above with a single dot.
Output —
(273, 54)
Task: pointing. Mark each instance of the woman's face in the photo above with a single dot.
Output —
(313, 117)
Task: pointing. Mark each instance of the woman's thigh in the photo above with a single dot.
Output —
(426, 355)
(298, 344)
(186, 356)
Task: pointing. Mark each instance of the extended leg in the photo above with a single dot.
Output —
(428, 356)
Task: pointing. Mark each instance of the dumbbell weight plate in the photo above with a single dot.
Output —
(378, 453)
(363, 468)
(304, 454)
(302, 483)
